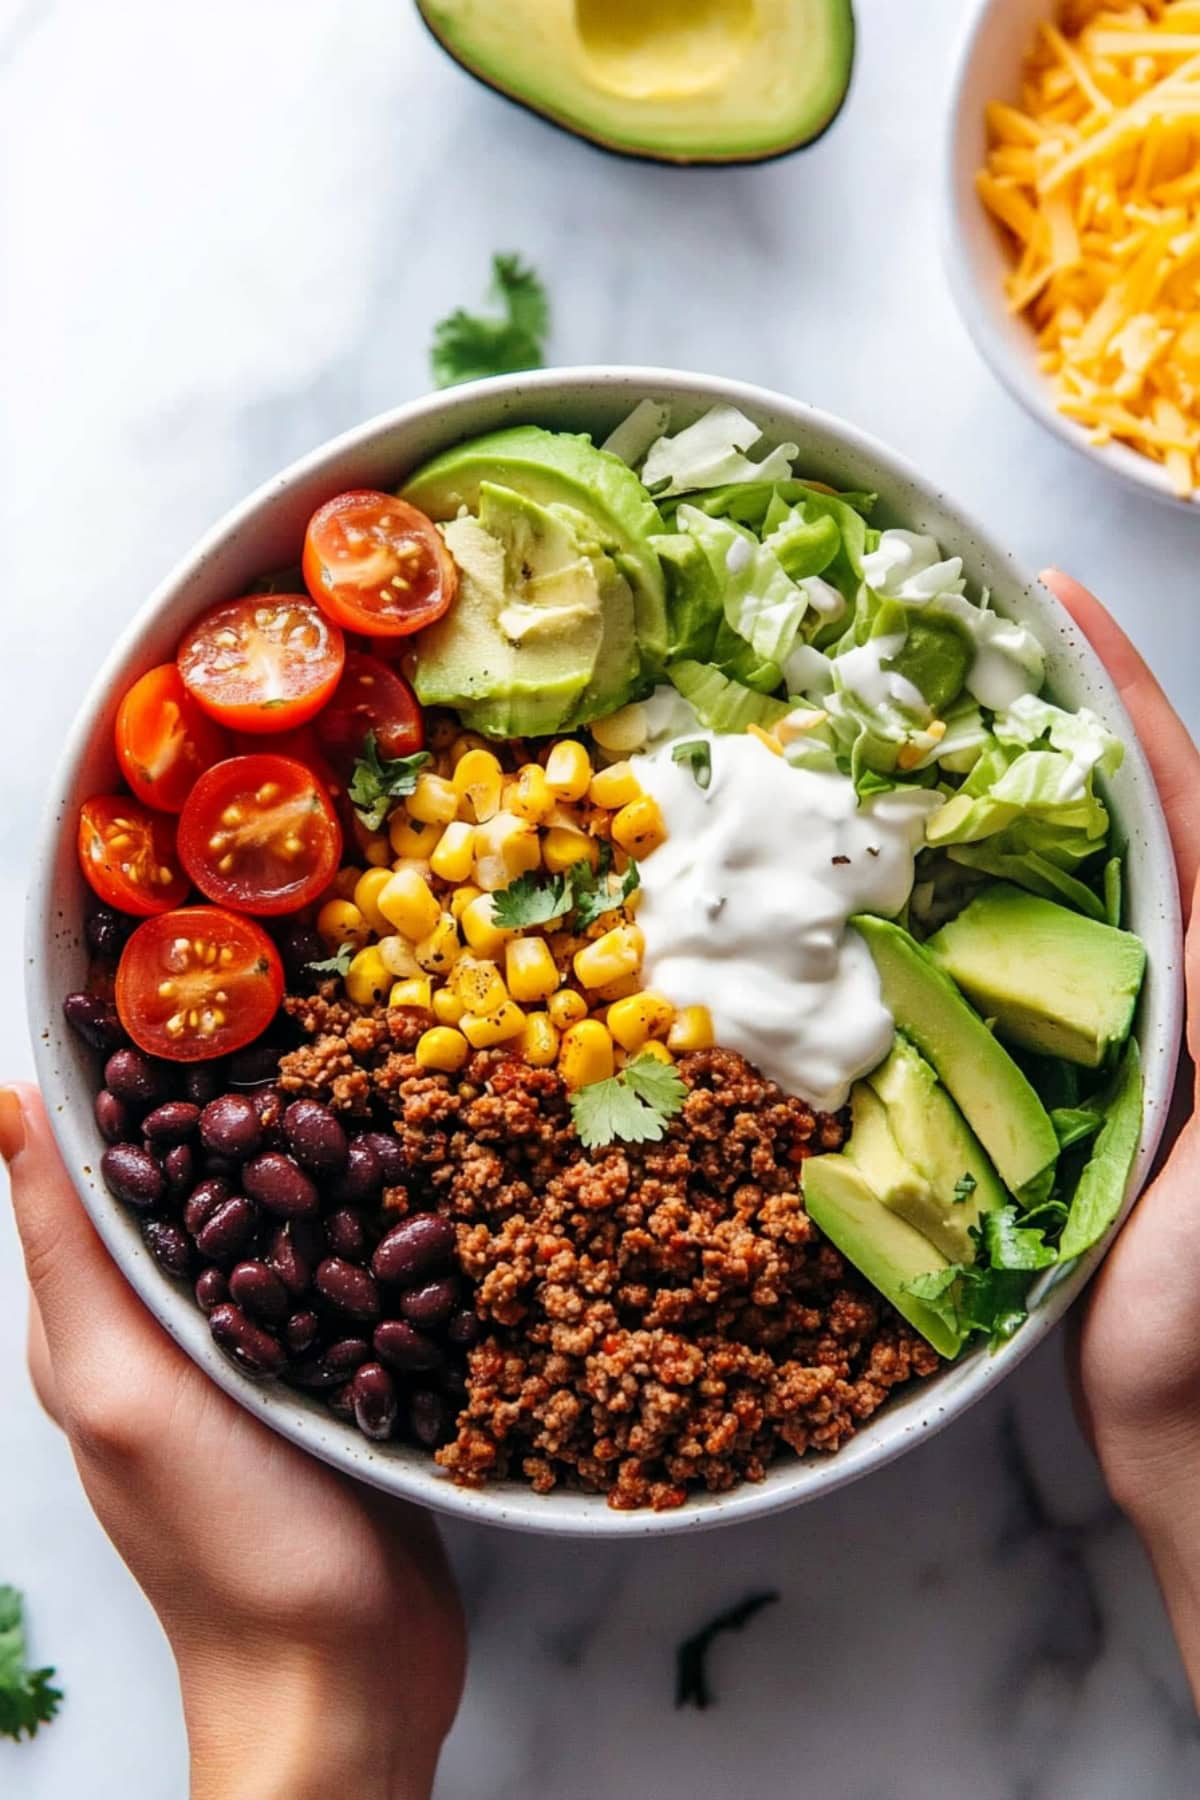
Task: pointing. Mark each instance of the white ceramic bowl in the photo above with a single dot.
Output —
(264, 533)
(997, 36)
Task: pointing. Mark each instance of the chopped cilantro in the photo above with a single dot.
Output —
(378, 780)
(633, 1106)
(531, 900)
(338, 964)
(593, 892)
(697, 754)
(27, 1699)
(468, 346)
(988, 1295)
(1010, 1245)
(964, 1187)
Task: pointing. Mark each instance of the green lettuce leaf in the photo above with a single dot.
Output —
(1101, 1191)
(720, 704)
(710, 453)
(761, 603)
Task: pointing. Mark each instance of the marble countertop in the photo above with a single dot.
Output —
(225, 238)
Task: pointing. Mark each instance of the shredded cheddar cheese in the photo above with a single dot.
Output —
(1095, 177)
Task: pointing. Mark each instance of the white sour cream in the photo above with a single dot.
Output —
(745, 908)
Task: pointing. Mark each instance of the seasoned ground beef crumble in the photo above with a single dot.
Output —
(658, 1317)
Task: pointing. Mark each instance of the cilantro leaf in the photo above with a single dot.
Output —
(27, 1699)
(530, 900)
(468, 346)
(338, 964)
(659, 1084)
(378, 780)
(633, 1106)
(964, 1187)
(592, 890)
(697, 754)
(1009, 1245)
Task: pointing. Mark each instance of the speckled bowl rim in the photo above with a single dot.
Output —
(252, 537)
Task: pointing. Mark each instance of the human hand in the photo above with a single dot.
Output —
(314, 1622)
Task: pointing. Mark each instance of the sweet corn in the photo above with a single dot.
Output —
(477, 784)
(692, 1029)
(531, 798)
(563, 847)
(463, 895)
(439, 950)
(615, 786)
(619, 952)
(622, 989)
(442, 1048)
(585, 1054)
(409, 837)
(367, 979)
(539, 1040)
(416, 991)
(529, 969)
(407, 903)
(640, 1017)
(639, 827)
(568, 770)
(479, 985)
(378, 853)
(397, 954)
(566, 1007)
(479, 926)
(655, 1048)
(455, 852)
(482, 1032)
(434, 800)
(465, 742)
(340, 922)
(416, 865)
(448, 1009)
(366, 898)
(505, 847)
(345, 882)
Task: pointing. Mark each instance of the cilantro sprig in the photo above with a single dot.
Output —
(633, 1106)
(468, 346)
(588, 893)
(338, 964)
(27, 1698)
(988, 1295)
(593, 891)
(378, 780)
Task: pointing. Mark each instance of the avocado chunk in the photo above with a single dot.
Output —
(998, 1102)
(936, 652)
(1053, 981)
(681, 81)
(556, 468)
(882, 1246)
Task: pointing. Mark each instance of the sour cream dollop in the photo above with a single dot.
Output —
(745, 908)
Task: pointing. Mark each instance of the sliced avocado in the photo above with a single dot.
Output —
(555, 467)
(1053, 981)
(999, 1103)
(881, 1245)
(694, 607)
(680, 81)
(935, 655)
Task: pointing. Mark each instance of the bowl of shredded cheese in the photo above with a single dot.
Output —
(1073, 235)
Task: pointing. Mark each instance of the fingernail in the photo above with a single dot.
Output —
(12, 1124)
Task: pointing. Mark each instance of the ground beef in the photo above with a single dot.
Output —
(658, 1317)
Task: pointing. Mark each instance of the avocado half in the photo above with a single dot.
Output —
(678, 81)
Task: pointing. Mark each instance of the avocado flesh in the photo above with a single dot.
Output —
(998, 1102)
(1053, 980)
(673, 80)
(882, 1246)
(556, 468)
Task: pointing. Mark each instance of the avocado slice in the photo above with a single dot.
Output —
(683, 81)
(558, 468)
(882, 1246)
(1053, 981)
(999, 1103)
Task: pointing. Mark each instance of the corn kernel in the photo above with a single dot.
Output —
(563, 847)
(434, 800)
(368, 841)
(477, 784)
(479, 927)
(416, 865)
(640, 1017)
(585, 1054)
(367, 978)
(479, 985)
(442, 1048)
(654, 1047)
(568, 770)
(379, 853)
(409, 837)
(566, 1007)
(438, 952)
(463, 895)
(455, 852)
(397, 954)
(539, 1040)
(340, 922)
(415, 991)
(463, 743)
(532, 799)
(639, 827)
(496, 1028)
(366, 898)
(530, 969)
(691, 1030)
(407, 903)
(448, 1009)
(506, 847)
(345, 882)
(615, 786)
(619, 952)
(621, 989)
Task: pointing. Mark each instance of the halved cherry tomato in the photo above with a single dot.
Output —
(128, 854)
(197, 983)
(370, 697)
(260, 833)
(302, 746)
(377, 565)
(264, 663)
(164, 741)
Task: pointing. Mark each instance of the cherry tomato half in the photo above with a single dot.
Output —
(377, 565)
(302, 746)
(264, 663)
(164, 741)
(259, 833)
(197, 983)
(128, 854)
(370, 697)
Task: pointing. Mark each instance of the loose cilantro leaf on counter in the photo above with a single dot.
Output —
(378, 780)
(338, 964)
(468, 346)
(27, 1699)
(964, 1187)
(593, 893)
(531, 900)
(633, 1106)
(697, 754)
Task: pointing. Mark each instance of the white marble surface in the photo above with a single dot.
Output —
(225, 232)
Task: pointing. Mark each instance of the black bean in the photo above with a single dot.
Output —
(299, 945)
(346, 1231)
(308, 1235)
(428, 1418)
(344, 1356)
(283, 1255)
(203, 1081)
(341, 1401)
(134, 1077)
(373, 1397)
(229, 1126)
(314, 1136)
(112, 1117)
(95, 1020)
(430, 1305)
(280, 1185)
(172, 1122)
(133, 1176)
(248, 1344)
(464, 1329)
(349, 1288)
(362, 1177)
(300, 1332)
(169, 1246)
(259, 1291)
(394, 1166)
(179, 1167)
(211, 1289)
(413, 1246)
(402, 1346)
(107, 932)
(227, 1231)
(253, 1065)
(269, 1103)
(204, 1200)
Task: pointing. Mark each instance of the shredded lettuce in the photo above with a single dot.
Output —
(760, 602)
(721, 704)
(635, 434)
(710, 454)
